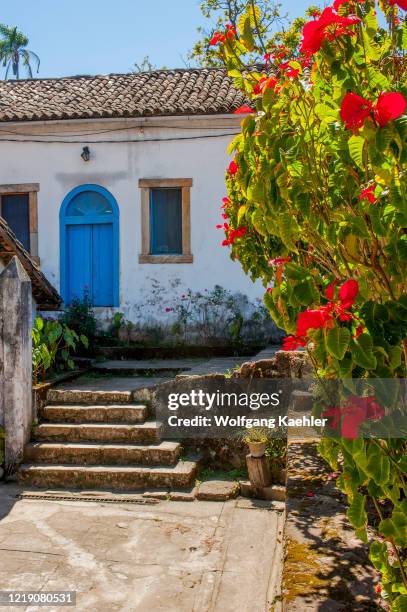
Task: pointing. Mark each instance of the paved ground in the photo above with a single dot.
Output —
(172, 557)
(190, 367)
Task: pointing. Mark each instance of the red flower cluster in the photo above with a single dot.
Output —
(368, 194)
(327, 27)
(324, 317)
(265, 83)
(243, 110)
(231, 234)
(355, 109)
(291, 72)
(279, 261)
(401, 3)
(218, 37)
(233, 168)
(353, 413)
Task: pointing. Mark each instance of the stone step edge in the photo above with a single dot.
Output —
(77, 396)
(145, 425)
(163, 445)
(182, 467)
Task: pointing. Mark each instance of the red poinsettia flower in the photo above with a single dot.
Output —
(401, 3)
(265, 83)
(355, 110)
(312, 319)
(368, 194)
(230, 31)
(327, 27)
(279, 261)
(291, 343)
(348, 293)
(233, 168)
(225, 202)
(330, 290)
(378, 587)
(243, 110)
(217, 38)
(389, 106)
(335, 413)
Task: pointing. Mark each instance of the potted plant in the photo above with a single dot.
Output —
(256, 439)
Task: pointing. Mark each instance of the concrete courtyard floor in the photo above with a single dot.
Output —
(170, 556)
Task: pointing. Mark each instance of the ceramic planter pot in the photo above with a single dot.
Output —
(257, 449)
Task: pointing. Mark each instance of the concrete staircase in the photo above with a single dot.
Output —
(101, 440)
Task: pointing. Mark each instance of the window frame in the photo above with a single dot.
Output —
(146, 185)
(32, 190)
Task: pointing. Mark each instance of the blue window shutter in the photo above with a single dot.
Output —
(15, 210)
(166, 221)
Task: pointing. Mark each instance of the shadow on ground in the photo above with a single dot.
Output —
(9, 493)
(326, 567)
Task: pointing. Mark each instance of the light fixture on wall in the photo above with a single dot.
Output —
(85, 154)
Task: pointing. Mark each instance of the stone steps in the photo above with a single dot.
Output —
(164, 453)
(119, 478)
(95, 414)
(148, 432)
(101, 440)
(89, 398)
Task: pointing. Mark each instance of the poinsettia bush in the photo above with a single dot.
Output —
(317, 209)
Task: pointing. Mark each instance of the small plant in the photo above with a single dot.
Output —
(53, 345)
(80, 317)
(255, 435)
(277, 449)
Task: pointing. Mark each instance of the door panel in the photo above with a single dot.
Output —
(79, 260)
(102, 265)
(90, 263)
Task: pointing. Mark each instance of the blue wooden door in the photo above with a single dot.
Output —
(90, 263)
(90, 246)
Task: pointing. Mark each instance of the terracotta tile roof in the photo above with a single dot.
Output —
(47, 298)
(163, 92)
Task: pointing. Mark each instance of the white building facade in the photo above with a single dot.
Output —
(116, 206)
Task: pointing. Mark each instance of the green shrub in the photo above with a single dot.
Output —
(54, 343)
(80, 318)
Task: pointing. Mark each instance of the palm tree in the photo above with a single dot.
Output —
(13, 52)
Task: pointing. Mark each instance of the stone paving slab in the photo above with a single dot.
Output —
(172, 557)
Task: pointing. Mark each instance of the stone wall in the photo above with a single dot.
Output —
(15, 360)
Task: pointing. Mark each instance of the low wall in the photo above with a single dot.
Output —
(16, 411)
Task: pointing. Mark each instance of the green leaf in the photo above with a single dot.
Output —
(241, 213)
(337, 341)
(378, 465)
(356, 148)
(399, 604)
(39, 324)
(395, 527)
(84, 340)
(362, 351)
(356, 512)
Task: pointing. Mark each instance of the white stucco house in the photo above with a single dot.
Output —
(114, 183)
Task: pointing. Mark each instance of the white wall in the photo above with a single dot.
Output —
(118, 167)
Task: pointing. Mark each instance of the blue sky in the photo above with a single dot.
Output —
(100, 36)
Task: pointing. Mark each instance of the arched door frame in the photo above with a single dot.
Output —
(65, 220)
